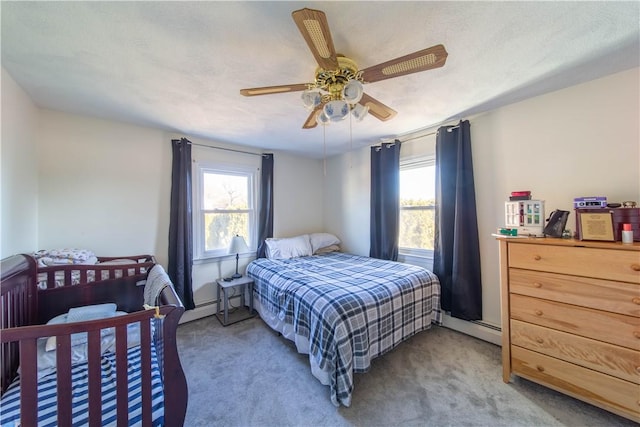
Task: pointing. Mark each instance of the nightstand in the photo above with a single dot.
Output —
(241, 313)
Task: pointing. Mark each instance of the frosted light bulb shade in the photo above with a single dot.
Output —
(359, 112)
(352, 92)
(322, 118)
(336, 110)
(311, 99)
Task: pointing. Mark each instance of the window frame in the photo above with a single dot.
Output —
(204, 167)
(414, 163)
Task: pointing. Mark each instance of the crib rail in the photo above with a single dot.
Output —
(18, 307)
(27, 337)
(72, 274)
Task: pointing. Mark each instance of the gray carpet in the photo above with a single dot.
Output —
(246, 375)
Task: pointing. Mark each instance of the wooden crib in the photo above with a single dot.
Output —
(105, 268)
(156, 396)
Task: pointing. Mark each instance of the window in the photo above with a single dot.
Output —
(225, 206)
(417, 206)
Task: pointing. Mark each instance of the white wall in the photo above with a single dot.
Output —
(580, 141)
(298, 195)
(103, 186)
(19, 165)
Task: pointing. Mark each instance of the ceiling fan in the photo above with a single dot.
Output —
(337, 88)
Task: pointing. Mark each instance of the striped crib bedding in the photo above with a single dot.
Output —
(47, 394)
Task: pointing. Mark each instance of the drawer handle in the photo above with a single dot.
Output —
(635, 267)
(636, 300)
(638, 369)
(538, 258)
(539, 313)
(540, 368)
(636, 334)
(539, 285)
(539, 340)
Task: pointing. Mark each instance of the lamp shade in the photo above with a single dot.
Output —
(238, 245)
(352, 92)
(336, 110)
(359, 112)
(322, 118)
(311, 99)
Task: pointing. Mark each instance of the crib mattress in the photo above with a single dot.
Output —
(47, 397)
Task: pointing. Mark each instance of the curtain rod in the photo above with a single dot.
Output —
(417, 136)
(228, 149)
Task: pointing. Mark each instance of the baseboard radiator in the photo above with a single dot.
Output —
(476, 328)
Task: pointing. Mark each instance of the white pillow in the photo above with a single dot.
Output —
(322, 240)
(290, 247)
(79, 352)
(83, 314)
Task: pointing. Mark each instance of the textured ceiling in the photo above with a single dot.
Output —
(179, 66)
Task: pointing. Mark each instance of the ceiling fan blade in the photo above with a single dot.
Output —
(315, 29)
(268, 90)
(377, 109)
(422, 60)
(312, 120)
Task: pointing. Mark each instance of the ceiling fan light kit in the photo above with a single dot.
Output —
(338, 88)
(336, 110)
(311, 98)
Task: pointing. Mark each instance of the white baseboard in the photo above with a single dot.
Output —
(485, 332)
(205, 309)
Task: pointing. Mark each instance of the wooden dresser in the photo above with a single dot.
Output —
(571, 318)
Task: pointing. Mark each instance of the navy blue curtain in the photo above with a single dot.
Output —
(456, 259)
(265, 220)
(385, 201)
(180, 223)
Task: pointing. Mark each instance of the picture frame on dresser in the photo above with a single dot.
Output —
(595, 226)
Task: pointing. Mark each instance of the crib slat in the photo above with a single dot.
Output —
(29, 382)
(63, 367)
(122, 392)
(145, 360)
(94, 376)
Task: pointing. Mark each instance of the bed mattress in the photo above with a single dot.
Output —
(347, 309)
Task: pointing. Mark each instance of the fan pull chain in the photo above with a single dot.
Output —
(350, 142)
(324, 149)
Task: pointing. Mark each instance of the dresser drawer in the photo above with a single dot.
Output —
(611, 264)
(610, 359)
(608, 392)
(617, 297)
(600, 325)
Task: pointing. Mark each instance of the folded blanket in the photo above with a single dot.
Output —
(64, 256)
(157, 279)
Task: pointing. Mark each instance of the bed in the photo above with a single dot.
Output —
(63, 267)
(342, 309)
(120, 370)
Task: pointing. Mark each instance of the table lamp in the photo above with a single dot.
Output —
(237, 245)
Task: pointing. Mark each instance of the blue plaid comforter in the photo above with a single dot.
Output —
(351, 308)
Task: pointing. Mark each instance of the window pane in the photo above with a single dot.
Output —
(417, 228)
(220, 228)
(417, 192)
(417, 185)
(222, 191)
